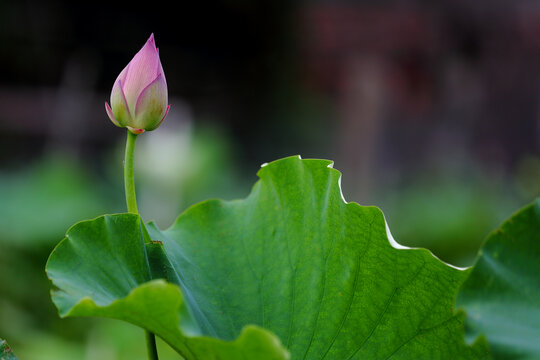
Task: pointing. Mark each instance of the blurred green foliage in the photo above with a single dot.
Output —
(40, 200)
(37, 205)
(450, 213)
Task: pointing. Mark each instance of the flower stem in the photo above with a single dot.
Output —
(131, 201)
(151, 345)
(129, 173)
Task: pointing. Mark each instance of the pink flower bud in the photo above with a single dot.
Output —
(139, 95)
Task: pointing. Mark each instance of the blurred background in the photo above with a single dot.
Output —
(430, 109)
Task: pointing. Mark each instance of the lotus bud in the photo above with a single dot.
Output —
(139, 95)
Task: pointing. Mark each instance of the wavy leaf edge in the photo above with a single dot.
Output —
(87, 306)
(163, 284)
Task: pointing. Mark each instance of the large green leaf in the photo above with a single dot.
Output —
(5, 351)
(293, 258)
(108, 267)
(502, 294)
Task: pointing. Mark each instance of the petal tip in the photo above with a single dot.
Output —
(109, 112)
(163, 118)
(166, 111)
(135, 131)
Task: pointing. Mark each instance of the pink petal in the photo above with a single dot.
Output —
(120, 107)
(163, 118)
(142, 70)
(151, 104)
(110, 114)
(123, 73)
(160, 70)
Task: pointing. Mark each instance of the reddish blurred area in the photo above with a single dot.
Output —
(411, 79)
(391, 90)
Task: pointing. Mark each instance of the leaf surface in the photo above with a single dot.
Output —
(296, 259)
(108, 267)
(502, 294)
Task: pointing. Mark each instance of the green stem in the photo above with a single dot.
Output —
(151, 346)
(129, 173)
(131, 201)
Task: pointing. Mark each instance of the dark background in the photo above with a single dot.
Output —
(429, 108)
